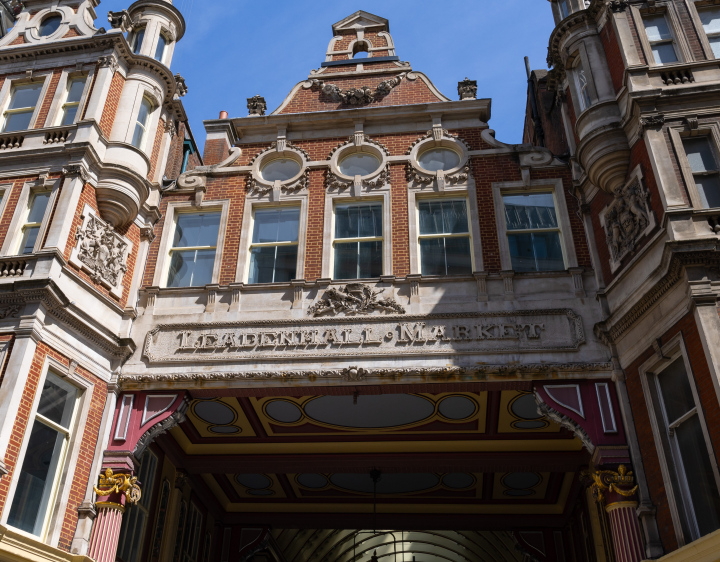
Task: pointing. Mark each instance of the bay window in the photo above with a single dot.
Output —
(141, 124)
(358, 241)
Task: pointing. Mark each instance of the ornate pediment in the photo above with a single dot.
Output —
(361, 20)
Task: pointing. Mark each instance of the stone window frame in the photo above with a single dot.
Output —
(60, 496)
(32, 28)
(669, 10)
(708, 128)
(665, 355)
(175, 208)
(693, 7)
(22, 80)
(267, 201)
(567, 242)
(14, 231)
(55, 113)
(357, 192)
(462, 190)
(278, 190)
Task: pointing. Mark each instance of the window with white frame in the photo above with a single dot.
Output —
(444, 237)
(37, 206)
(682, 433)
(71, 105)
(160, 48)
(581, 83)
(137, 39)
(703, 161)
(23, 101)
(710, 19)
(533, 231)
(44, 456)
(194, 246)
(662, 43)
(274, 245)
(141, 123)
(135, 522)
(358, 241)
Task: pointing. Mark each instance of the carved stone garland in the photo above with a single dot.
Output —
(627, 219)
(355, 298)
(101, 251)
(334, 182)
(420, 177)
(256, 187)
(356, 96)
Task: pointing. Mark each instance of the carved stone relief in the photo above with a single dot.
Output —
(355, 298)
(356, 96)
(627, 219)
(101, 251)
(256, 105)
(256, 185)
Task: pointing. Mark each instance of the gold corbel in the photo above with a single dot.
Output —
(120, 484)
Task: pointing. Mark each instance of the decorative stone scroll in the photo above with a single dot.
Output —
(354, 298)
(376, 335)
(627, 219)
(101, 252)
(356, 96)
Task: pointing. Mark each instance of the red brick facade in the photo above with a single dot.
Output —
(111, 105)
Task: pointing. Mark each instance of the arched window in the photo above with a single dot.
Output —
(160, 49)
(141, 124)
(137, 40)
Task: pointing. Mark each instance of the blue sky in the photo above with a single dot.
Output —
(234, 49)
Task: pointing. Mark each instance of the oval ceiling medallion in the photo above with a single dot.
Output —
(375, 411)
(283, 411)
(457, 407)
(215, 413)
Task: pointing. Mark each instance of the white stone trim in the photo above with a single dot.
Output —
(693, 10)
(682, 48)
(173, 209)
(566, 236)
(59, 497)
(258, 201)
(666, 354)
(277, 189)
(12, 238)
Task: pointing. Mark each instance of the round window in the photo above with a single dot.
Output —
(280, 169)
(439, 159)
(50, 25)
(359, 164)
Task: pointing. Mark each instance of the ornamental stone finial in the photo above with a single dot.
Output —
(256, 105)
(467, 89)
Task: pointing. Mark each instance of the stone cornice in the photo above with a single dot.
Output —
(56, 303)
(678, 256)
(410, 114)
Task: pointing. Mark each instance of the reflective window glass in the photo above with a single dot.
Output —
(661, 39)
(141, 124)
(280, 169)
(444, 237)
(70, 108)
(50, 25)
(703, 163)
(274, 247)
(137, 40)
(160, 48)
(359, 164)
(439, 159)
(358, 246)
(192, 257)
(23, 100)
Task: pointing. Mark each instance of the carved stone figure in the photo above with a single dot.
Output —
(354, 298)
(256, 105)
(357, 96)
(181, 87)
(627, 219)
(102, 251)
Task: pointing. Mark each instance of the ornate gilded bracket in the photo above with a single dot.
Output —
(119, 484)
(620, 482)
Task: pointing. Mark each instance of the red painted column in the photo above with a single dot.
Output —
(115, 494)
(616, 491)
